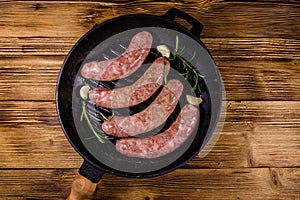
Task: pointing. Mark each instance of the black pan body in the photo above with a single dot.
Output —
(68, 79)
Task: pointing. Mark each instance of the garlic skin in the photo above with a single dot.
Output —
(193, 100)
(84, 91)
(164, 50)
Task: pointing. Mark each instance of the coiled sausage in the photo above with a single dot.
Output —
(122, 66)
(151, 117)
(136, 93)
(165, 142)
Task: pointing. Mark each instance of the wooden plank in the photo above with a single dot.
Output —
(263, 111)
(269, 183)
(220, 48)
(258, 19)
(260, 79)
(29, 78)
(208, 184)
(36, 146)
(254, 144)
(30, 46)
(268, 136)
(268, 49)
(255, 134)
(35, 184)
(30, 112)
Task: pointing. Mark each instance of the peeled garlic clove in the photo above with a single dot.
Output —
(193, 100)
(84, 91)
(164, 50)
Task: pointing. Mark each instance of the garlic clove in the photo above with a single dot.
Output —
(194, 100)
(84, 91)
(164, 50)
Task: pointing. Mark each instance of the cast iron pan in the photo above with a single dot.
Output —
(106, 41)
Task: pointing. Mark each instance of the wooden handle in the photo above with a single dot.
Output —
(82, 188)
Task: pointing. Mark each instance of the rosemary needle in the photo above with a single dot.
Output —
(190, 72)
(176, 43)
(165, 74)
(189, 60)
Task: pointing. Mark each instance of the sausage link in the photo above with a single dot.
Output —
(136, 93)
(122, 66)
(165, 142)
(151, 117)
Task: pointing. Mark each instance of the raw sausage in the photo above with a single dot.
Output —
(165, 142)
(151, 117)
(136, 93)
(125, 64)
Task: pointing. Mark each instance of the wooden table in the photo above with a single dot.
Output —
(256, 47)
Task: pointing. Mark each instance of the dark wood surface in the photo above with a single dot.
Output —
(256, 46)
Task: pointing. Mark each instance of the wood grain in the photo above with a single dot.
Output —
(256, 47)
(227, 184)
(258, 77)
(268, 183)
(255, 134)
(277, 49)
(220, 19)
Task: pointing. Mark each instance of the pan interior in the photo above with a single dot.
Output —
(104, 154)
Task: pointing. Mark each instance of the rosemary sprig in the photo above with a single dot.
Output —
(190, 71)
(188, 66)
(186, 63)
(193, 74)
(98, 133)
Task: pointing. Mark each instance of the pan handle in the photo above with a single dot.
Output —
(196, 25)
(85, 183)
